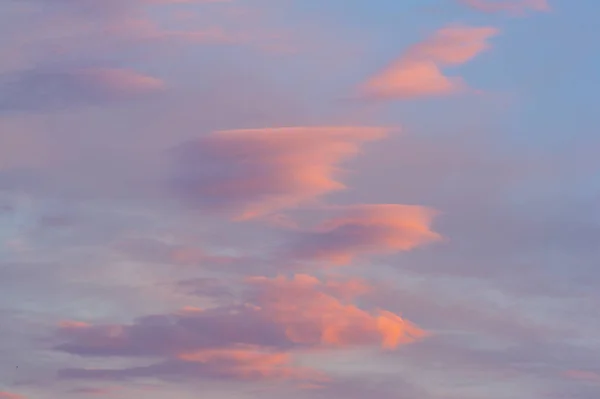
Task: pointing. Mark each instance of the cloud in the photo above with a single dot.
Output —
(367, 229)
(418, 72)
(257, 340)
(105, 8)
(206, 287)
(583, 375)
(150, 250)
(312, 314)
(250, 363)
(515, 7)
(254, 172)
(8, 395)
(41, 90)
(94, 391)
(243, 363)
(271, 313)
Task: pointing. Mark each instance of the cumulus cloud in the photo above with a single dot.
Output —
(418, 72)
(367, 229)
(40, 90)
(254, 172)
(515, 7)
(255, 340)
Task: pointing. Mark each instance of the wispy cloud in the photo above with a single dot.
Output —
(8, 395)
(455, 260)
(418, 72)
(43, 90)
(366, 229)
(253, 172)
(515, 7)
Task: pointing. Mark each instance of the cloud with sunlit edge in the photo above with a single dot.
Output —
(254, 172)
(366, 229)
(256, 340)
(418, 72)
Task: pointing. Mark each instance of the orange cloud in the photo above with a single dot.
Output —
(280, 317)
(312, 316)
(418, 72)
(516, 7)
(255, 172)
(367, 229)
(248, 362)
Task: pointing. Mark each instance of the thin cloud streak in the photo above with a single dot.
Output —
(418, 72)
(514, 7)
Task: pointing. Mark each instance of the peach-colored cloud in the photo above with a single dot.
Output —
(254, 172)
(367, 229)
(73, 325)
(280, 317)
(312, 316)
(515, 7)
(248, 362)
(418, 72)
(278, 314)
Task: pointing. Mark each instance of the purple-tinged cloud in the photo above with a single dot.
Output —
(366, 229)
(42, 90)
(253, 172)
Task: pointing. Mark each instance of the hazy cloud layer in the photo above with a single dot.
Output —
(186, 206)
(47, 90)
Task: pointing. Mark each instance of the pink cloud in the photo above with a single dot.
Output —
(280, 318)
(418, 72)
(251, 363)
(367, 229)
(279, 313)
(311, 314)
(583, 375)
(516, 7)
(255, 172)
(8, 395)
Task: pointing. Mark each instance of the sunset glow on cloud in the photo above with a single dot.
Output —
(301, 199)
(418, 72)
(257, 171)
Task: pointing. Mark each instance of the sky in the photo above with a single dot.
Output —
(314, 199)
